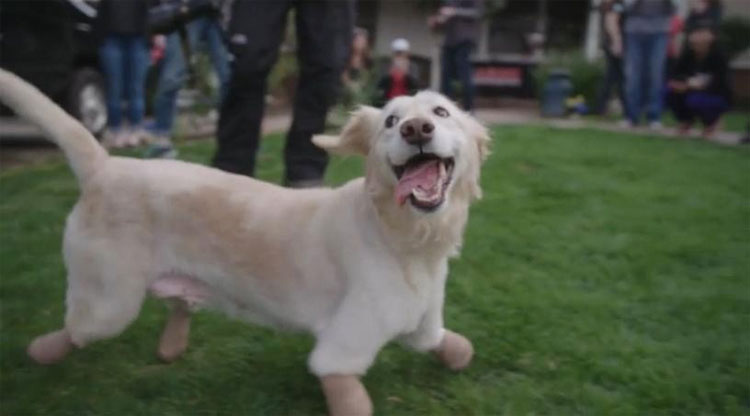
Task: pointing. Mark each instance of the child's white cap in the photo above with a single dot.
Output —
(400, 45)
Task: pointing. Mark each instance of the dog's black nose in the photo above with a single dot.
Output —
(417, 131)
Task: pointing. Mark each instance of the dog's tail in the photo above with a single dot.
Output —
(81, 148)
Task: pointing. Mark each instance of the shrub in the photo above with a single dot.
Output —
(584, 75)
(734, 35)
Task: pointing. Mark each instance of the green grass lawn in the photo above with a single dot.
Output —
(602, 274)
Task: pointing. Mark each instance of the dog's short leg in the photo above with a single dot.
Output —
(50, 348)
(99, 306)
(455, 351)
(174, 338)
(346, 396)
(343, 352)
(101, 302)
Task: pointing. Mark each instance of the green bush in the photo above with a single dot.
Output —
(734, 35)
(584, 75)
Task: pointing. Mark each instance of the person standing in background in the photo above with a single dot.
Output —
(356, 75)
(646, 35)
(203, 31)
(359, 59)
(612, 45)
(460, 21)
(256, 28)
(124, 57)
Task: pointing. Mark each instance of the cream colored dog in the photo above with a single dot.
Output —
(357, 266)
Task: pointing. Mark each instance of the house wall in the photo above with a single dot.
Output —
(737, 8)
(404, 19)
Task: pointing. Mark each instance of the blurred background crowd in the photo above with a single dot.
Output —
(128, 68)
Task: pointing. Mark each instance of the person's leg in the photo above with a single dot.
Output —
(446, 71)
(137, 66)
(322, 54)
(610, 78)
(195, 31)
(633, 75)
(255, 33)
(619, 79)
(656, 62)
(677, 103)
(110, 54)
(218, 54)
(708, 108)
(465, 73)
(171, 79)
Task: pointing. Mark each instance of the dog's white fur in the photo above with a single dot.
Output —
(348, 265)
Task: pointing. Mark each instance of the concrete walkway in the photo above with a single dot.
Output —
(510, 116)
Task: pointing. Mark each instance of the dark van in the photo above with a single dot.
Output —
(52, 44)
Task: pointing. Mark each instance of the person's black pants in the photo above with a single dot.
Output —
(613, 77)
(456, 65)
(255, 32)
(705, 106)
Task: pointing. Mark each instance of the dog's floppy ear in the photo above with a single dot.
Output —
(480, 134)
(481, 138)
(355, 137)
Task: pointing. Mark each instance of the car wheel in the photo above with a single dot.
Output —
(87, 100)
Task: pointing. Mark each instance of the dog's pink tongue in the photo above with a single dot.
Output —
(425, 175)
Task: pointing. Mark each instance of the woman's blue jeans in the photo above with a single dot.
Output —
(174, 68)
(645, 60)
(456, 65)
(124, 59)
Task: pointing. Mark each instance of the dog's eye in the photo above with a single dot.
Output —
(390, 121)
(440, 112)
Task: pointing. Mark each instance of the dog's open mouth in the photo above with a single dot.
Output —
(423, 180)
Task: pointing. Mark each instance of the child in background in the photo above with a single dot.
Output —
(699, 87)
(398, 81)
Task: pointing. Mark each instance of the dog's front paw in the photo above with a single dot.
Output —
(455, 351)
(346, 396)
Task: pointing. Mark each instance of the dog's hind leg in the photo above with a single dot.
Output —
(174, 337)
(50, 348)
(185, 294)
(98, 307)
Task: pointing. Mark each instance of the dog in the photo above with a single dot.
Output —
(357, 266)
